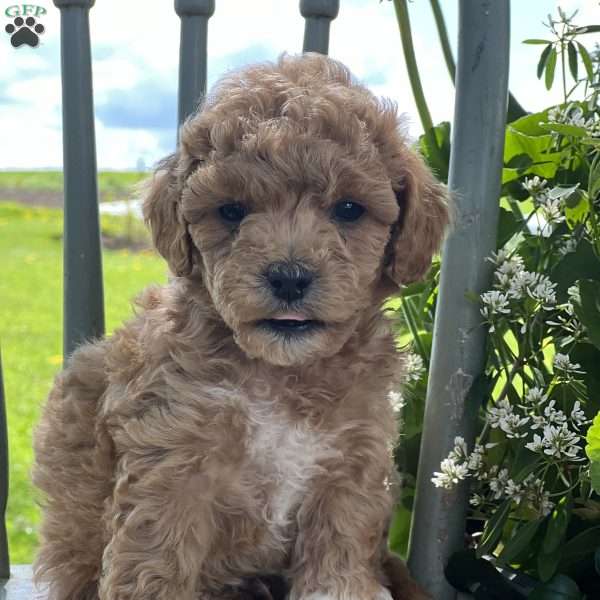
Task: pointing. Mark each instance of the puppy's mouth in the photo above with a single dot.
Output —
(291, 323)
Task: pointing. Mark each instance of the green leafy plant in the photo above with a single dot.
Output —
(534, 501)
(566, 47)
(593, 452)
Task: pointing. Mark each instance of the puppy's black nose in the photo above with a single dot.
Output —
(288, 280)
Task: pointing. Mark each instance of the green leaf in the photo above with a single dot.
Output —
(536, 41)
(572, 59)
(543, 60)
(564, 129)
(580, 547)
(399, 530)
(550, 66)
(525, 136)
(594, 178)
(507, 227)
(589, 309)
(577, 214)
(547, 564)
(593, 440)
(581, 264)
(586, 60)
(493, 529)
(520, 541)
(587, 29)
(557, 527)
(530, 124)
(573, 196)
(519, 161)
(595, 476)
(560, 191)
(559, 587)
(438, 160)
(414, 289)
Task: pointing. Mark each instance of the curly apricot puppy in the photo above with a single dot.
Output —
(239, 424)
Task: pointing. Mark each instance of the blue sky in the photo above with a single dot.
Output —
(135, 52)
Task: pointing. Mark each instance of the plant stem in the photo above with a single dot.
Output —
(509, 377)
(564, 75)
(411, 321)
(440, 23)
(515, 110)
(411, 64)
(415, 81)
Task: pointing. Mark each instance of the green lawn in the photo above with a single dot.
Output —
(31, 332)
(111, 184)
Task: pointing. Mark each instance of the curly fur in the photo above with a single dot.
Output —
(193, 450)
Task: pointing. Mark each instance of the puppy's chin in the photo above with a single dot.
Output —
(292, 348)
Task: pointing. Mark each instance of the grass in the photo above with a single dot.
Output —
(31, 333)
(111, 184)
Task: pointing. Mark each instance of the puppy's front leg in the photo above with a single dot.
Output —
(161, 527)
(341, 522)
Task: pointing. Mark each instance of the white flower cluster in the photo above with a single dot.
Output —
(459, 465)
(512, 284)
(531, 490)
(571, 330)
(573, 114)
(569, 245)
(413, 366)
(563, 363)
(503, 417)
(536, 186)
(549, 203)
(561, 437)
(555, 435)
(413, 371)
(495, 483)
(397, 401)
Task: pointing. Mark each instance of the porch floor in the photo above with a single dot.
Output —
(20, 585)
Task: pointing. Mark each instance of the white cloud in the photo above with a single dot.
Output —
(136, 43)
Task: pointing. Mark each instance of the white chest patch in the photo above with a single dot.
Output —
(286, 456)
(381, 594)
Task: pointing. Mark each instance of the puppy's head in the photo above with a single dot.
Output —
(297, 201)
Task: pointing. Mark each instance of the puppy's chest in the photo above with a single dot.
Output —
(286, 456)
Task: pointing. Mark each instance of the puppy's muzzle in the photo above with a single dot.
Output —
(288, 281)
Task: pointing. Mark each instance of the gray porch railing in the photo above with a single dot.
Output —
(318, 15)
(4, 562)
(475, 172)
(192, 53)
(458, 339)
(83, 290)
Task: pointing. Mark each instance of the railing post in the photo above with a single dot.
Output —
(459, 339)
(194, 16)
(318, 15)
(83, 290)
(4, 558)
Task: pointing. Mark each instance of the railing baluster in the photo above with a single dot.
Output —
(83, 289)
(194, 16)
(318, 15)
(4, 558)
(459, 339)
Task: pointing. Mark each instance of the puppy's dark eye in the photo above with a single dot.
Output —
(234, 212)
(348, 210)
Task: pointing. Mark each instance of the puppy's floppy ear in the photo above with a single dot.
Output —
(162, 212)
(424, 215)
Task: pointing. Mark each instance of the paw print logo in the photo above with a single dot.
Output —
(24, 31)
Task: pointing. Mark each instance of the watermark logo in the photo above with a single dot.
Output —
(25, 28)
